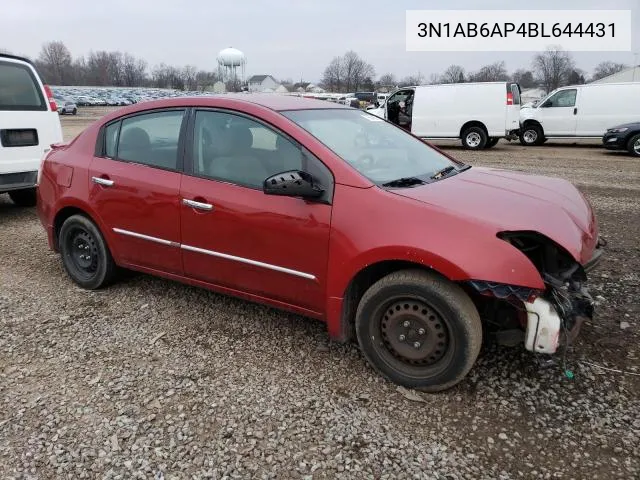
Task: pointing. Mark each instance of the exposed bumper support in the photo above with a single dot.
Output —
(543, 327)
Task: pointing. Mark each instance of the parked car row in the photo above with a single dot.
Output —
(116, 97)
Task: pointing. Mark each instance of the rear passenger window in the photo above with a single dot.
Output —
(111, 139)
(151, 139)
(19, 89)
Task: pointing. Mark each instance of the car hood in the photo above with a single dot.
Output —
(510, 201)
(627, 125)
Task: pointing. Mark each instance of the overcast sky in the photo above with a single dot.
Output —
(284, 38)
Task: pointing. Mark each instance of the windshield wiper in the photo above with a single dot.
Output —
(404, 182)
(441, 173)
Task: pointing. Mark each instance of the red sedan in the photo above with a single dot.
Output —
(329, 212)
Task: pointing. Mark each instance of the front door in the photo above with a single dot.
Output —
(135, 185)
(558, 114)
(398, 110)
(237, 237)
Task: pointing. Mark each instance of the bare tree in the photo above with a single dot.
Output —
(553, 67)
(604, 69)
(55, 63)
(576, 77)
(387, 80)
(189, 77)
(205, 80)
(412, 80)
(348, 73)
(495, 72)
(332, 78)
(524, 78)
(134, 71)
(434, 79)
(453, 74)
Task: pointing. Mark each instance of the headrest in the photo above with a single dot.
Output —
(134, 137)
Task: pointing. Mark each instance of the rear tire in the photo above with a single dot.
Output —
(419, 330)
(633, 145)
(24, 198)
(85, 254)
(532, 135)
(474, 138)
(492, 142)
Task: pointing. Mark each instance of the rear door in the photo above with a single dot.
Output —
(135, 184)
(28, 124)
(558, 114)
(512, 121)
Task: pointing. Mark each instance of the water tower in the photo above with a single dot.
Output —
(231, 64)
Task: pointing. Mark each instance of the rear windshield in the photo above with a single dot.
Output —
(19, 89)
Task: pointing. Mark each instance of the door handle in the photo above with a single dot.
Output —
(575, 111)
(102, 181)
(197, 205)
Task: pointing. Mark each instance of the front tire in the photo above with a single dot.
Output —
(633, 145)
(85, 254)
(24, 198)
(75, 111)
(474, 138)
(419, 330)
(532, 135)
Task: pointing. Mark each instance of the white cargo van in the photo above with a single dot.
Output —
(580, 111)
(29, 124)
(478, 113)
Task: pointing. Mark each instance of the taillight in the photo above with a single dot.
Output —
(50, 99)
(509, 98)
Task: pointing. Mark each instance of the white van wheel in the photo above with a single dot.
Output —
(532, 135)
(474, 138)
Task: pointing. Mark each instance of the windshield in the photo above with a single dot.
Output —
(379, 150)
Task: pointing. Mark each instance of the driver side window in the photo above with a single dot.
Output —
(565, 98)
(239, 150)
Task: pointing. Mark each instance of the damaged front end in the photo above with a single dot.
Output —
(541, 319)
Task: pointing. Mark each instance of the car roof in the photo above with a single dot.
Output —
(271, 101)
(8, 56)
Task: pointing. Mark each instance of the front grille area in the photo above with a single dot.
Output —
(18, 179)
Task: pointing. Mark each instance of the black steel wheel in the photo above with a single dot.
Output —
(419, 330)
(85, 255)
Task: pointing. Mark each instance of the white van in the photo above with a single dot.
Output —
(29, 124)
(478, 113)
(580, 111)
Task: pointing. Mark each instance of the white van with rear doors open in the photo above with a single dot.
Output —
(29, 124)
(580, 111)
(479, 113)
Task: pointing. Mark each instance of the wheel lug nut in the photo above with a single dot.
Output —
(401, 338)
(421, 331)
(416, 344)
(406, 323)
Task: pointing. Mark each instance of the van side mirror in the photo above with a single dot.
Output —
(293, 183)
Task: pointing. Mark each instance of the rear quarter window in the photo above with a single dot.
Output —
(19, 89)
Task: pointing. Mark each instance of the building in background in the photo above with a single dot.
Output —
(262, 83)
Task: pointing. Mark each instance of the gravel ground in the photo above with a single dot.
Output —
(150, 378)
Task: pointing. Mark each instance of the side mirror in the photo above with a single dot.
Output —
(292, 183)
